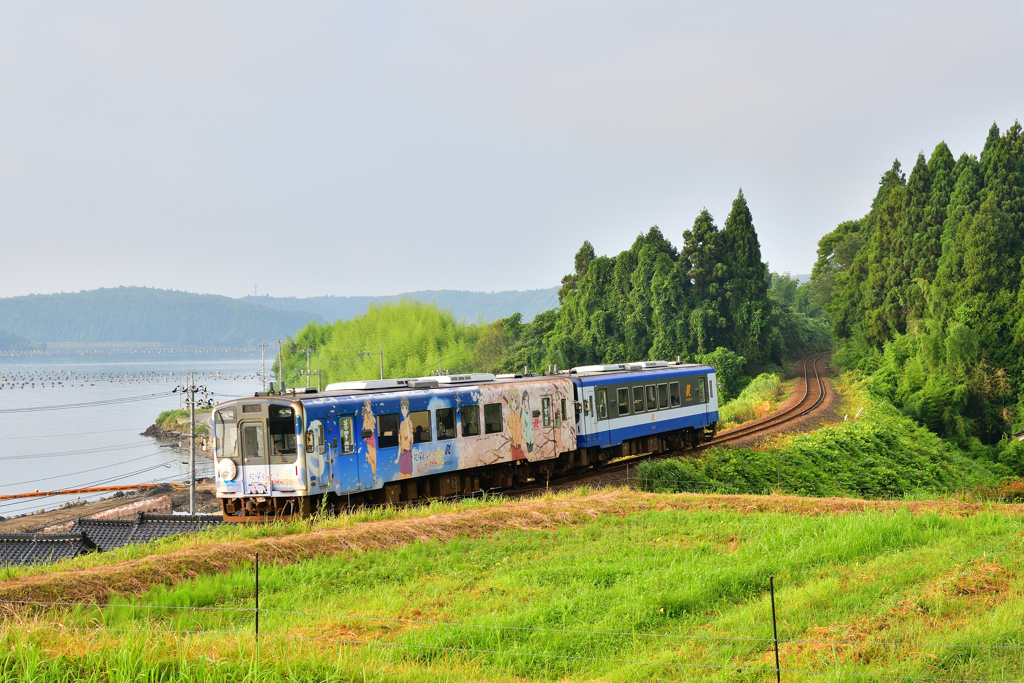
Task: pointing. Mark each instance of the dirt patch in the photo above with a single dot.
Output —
(134, 577)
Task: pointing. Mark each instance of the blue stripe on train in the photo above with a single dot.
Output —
(614, 437)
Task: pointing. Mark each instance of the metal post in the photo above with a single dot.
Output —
(319, 373)
(263, 365)
(382, 360)
(192, 439)
(257, 606)
(775, 630)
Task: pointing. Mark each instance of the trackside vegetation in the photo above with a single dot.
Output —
(658, 594)
(880, 453)
(756, 400)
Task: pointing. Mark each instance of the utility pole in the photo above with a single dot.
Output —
(308, 373)
(192, 444)
(190, 392)
(369, 353)
(280, 354)
(263, 365)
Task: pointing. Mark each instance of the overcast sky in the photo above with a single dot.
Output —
(378, 147)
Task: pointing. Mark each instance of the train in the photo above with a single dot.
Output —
(291, 453)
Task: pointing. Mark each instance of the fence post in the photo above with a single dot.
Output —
(775, 630)
(257, 606)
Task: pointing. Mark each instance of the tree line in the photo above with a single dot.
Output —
(924, 291)
(712, 300)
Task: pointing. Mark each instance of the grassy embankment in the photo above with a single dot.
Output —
(760, 397)
(574, 587)
(881, 453)
(168, 420)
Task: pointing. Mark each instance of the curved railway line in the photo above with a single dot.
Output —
(809, 402)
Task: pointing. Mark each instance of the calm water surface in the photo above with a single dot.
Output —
(60, 447)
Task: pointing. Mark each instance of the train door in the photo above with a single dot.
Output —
(603, 400)
(591, 429)
(316, 457)
(255, 464)
(341, 454)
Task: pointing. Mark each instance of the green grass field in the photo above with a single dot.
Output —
(618, 586)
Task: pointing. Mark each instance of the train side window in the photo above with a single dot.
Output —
(638, 399)
(652, 397)
(623, 396)
(445, 423)
(421, 426)
(387, 431)
(673, 394)
(602, 404)
(492, 418)
(564, 415)
(700, 390)
(348, 443)
(662, 396)
(470, 416)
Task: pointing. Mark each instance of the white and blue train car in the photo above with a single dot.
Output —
(646, 407)
(391, 441)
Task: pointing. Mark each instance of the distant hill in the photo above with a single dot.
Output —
(12, 342)
(140, 314)
(463, 304)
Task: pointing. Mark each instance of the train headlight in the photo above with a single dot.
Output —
(226, 469)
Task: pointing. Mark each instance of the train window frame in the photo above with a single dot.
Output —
(545, 410)
(472, 409)
(674, 398)
(663, 396)
(384, 440)
(446, 430)
(651, 394)
(558, 421)
(702, 392)
(421, 419)
(226, 444)
(488, 419)
(623, 405)
(639, 404)
(347, 434)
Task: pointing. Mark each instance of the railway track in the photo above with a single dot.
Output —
(809, 402)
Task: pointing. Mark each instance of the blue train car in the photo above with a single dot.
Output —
(387, 441)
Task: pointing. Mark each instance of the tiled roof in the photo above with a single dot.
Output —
(89, 535)
(23, 549)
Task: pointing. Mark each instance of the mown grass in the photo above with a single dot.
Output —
(879, 454)
(758, 399)
(605, 600)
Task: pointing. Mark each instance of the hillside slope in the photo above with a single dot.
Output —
(140, 314)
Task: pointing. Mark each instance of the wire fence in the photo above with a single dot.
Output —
(247, 631)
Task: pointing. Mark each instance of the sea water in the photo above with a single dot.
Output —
(51, 439)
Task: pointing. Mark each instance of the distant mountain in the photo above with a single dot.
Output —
(140, 314)
(464, 304)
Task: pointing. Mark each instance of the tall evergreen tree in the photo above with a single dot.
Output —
(746, 283)
(703, 252)
(912, 242)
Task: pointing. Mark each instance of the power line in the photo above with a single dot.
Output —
(68, 406)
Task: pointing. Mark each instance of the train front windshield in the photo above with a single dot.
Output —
(264, 429)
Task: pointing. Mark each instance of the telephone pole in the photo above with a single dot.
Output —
(370, 353)
(190, 392)
(263, 364)
(280, 354)
(308, 373)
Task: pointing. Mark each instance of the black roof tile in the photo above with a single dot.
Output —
(25, 549)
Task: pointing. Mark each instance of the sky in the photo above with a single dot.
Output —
(336, 148)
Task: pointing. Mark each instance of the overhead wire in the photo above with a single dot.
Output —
(88, 404)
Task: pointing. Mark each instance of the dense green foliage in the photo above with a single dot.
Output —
(416, 338)
(139, 314)
(925, 290)
(881, 454)
(674, 595)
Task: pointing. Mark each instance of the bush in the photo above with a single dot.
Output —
(753, 402)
